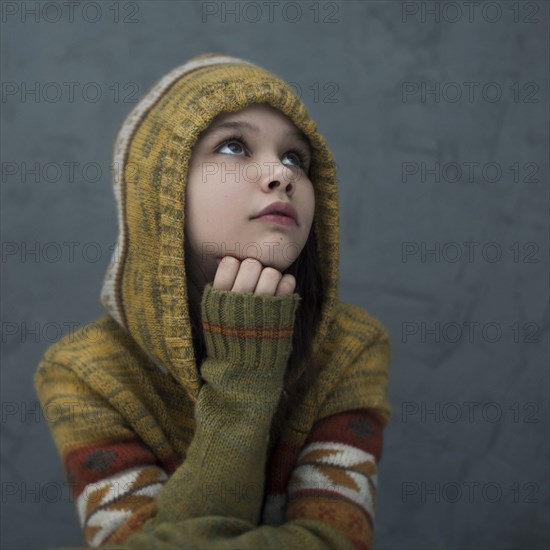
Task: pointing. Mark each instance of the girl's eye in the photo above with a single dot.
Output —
(235, 143)
(298, 157)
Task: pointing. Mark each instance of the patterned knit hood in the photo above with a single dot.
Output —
(145, 287)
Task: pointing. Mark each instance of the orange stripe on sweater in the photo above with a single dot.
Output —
(250, 333)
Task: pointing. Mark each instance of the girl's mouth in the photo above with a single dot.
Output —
(280, 219)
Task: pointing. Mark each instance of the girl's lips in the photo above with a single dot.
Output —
(276, 218)
(279, 208)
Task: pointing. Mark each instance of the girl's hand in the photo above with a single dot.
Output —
(251, 276)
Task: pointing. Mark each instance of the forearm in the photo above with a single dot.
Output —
(215, 533)
(248, 342)
(223, 472)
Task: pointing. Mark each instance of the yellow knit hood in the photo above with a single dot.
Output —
(145, 287)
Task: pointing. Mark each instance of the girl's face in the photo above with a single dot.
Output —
(242, 163)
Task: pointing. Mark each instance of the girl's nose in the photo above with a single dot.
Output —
(288, 188)
(278, 174)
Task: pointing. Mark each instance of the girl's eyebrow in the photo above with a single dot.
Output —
(241, 124)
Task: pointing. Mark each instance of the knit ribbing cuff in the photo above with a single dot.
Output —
(251, 334)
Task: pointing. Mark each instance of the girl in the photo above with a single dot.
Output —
(228, 399)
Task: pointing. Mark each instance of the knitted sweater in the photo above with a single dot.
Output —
(166, 450)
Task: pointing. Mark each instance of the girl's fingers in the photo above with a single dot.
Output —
(269, 279)
(248, 275)
(226, 273)
(286, 285)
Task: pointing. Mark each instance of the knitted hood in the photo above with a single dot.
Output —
(145, 287)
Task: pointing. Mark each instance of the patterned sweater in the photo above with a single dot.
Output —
(133, 452)
(163, 450)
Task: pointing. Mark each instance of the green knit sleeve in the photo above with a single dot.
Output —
(213, 501)
(216, 533)
(248, 341)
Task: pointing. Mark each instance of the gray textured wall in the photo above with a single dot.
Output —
(465, 462)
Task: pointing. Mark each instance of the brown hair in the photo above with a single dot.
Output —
(301, 369)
